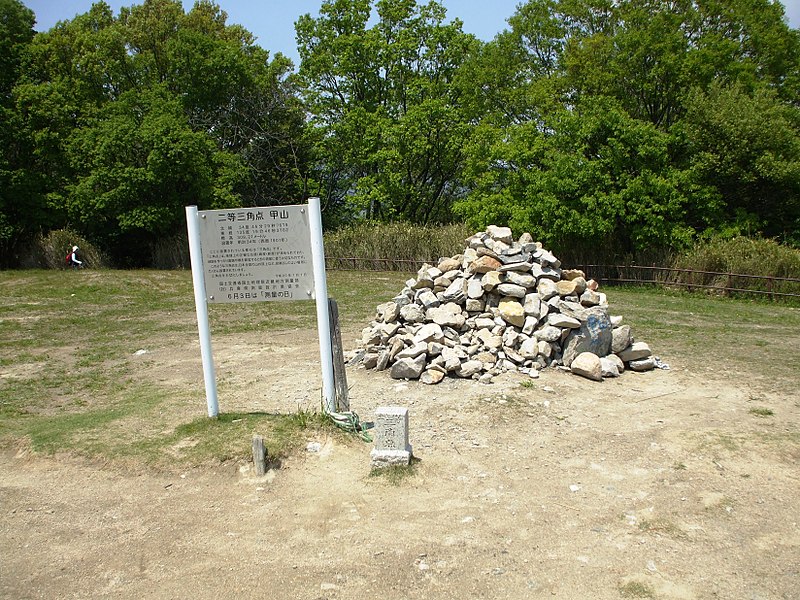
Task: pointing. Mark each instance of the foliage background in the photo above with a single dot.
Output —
(633, 129)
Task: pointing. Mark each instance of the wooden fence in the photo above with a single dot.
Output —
(668, 277)
(352, 263)
(693, 279)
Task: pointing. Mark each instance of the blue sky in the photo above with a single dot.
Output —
(272, 21)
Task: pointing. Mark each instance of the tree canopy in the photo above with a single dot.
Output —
(386, 112)
(119, 122)
(621, 125)
(637, 124)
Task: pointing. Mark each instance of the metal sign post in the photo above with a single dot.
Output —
(321, 297)
(201, 305)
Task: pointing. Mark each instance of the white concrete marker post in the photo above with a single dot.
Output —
(391, 438)
(201, 305)
(321, 298)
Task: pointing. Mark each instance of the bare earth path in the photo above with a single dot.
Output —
(659, 485)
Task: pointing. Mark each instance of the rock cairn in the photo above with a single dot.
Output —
(502, 305)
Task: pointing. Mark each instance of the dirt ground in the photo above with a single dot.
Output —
(657, 485)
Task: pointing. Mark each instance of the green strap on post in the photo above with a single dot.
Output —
(350, 422)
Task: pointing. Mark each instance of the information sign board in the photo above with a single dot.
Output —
(257, 254)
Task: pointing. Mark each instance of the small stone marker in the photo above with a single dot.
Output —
(391, 438)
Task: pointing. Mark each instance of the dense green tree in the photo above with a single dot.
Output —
(68, 74)
(229, 88)
(619, 124)
(126, 120)
(513, 79)
(138, 163)
(385, 111)
(657, 51)
(648, 54)
(637, 123)
(748, 148)
(18, 202)
(593, 177)
(16, 32)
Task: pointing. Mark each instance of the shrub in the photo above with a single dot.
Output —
(49, 251)
(741, 255)
(392, 246)
(171, 253)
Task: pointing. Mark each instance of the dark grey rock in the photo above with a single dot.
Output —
(370, 360)
(594, 335)
(457, 291)
(383, 361)
(522, 266)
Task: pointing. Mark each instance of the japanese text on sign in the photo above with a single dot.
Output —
(257, 254)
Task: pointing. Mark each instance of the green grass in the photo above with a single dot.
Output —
(709, 333)
(396, 475)
(661, 526)
(229, 438)
(761, 412)
(72, 383)
(82, 429)
(718, 441)
(636, 589)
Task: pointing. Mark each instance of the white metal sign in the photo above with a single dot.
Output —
(257, 254)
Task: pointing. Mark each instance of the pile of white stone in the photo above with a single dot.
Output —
(501, 305)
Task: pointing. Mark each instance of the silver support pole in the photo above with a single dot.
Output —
(321, 297)
(201, 305)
